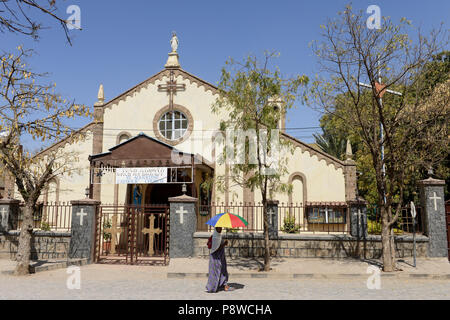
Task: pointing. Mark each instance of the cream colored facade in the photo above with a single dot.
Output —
(315, 176)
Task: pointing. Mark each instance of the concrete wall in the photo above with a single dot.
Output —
(311, 246)
(45, 245)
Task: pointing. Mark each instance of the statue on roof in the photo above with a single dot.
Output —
(174, 42)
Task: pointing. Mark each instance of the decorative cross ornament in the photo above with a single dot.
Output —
(181, 212)
(435, 198)
(81, 214)
(359, 214)
(271, 213)
(114, 231)
(4, 216)
(171, 87)
(151, 231)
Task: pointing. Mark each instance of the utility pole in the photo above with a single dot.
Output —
(380, 90)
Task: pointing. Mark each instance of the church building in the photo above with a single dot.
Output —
(156, 140)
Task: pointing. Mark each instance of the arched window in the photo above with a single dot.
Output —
(122, 138)
(173, 125)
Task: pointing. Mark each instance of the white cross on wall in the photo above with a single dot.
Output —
(81, 214)
(272, 214)
(181, 212)
(435, 198)
(359, 214)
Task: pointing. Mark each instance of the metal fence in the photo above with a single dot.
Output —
(404, 224)
(331, 217)
(315, 218)
(52, 216)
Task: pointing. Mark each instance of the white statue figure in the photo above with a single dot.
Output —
(174, 42)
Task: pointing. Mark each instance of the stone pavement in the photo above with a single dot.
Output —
(138, 282)
(193, 268)
(438, 268)
(8, 266)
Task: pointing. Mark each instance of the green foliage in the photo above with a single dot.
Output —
(107, 224)
(290, 226)
(436, 71)
(331, 143)
(374, 227)
(232, 230)
(45, 226)
(253, 98)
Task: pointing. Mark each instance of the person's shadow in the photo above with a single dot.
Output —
(236, 286)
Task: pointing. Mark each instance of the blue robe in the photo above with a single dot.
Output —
(218, 274)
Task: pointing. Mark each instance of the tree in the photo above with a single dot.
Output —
(413, 131)
(31, 108)
(255, 97)
(436, 71)
(331, 143)
(16, 17)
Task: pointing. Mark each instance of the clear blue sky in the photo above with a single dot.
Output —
(125, 42)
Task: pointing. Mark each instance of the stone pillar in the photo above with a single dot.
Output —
(358, 218)
(434, 221)
(350, 175)
(84, 218)
(97, 146)
(9, 214)
(183, 224)
(272, 210)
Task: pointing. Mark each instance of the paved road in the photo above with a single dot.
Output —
(116, 282)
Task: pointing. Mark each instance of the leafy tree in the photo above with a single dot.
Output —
(331, 143)
(415, 133)
(436, 71)
(249, 93)
(28, 107)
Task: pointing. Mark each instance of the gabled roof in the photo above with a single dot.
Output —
(143, 150)
(63, 141)
(159, 76)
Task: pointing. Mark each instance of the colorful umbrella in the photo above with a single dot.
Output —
(227, 220)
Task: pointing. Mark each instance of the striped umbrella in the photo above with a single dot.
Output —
(227, 220)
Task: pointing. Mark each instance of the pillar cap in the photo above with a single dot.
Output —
(9, 201)
(273, 202)
(358, 200)
(432, 182)
(183, 198)
(85, 202)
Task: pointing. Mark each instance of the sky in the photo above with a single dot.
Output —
(123, 43)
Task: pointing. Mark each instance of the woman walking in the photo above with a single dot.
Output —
(218, 274)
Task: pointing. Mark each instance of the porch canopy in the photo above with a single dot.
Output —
(144, 151)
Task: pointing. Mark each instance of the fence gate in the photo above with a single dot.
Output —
(447, 211)
(136, 235)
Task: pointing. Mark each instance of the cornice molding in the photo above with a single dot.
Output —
(338, 164)
(65, 141)
(158, 77)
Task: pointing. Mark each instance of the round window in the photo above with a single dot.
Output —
(173, 125)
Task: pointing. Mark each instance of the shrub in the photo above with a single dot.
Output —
(290, 226)
(45, 226)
